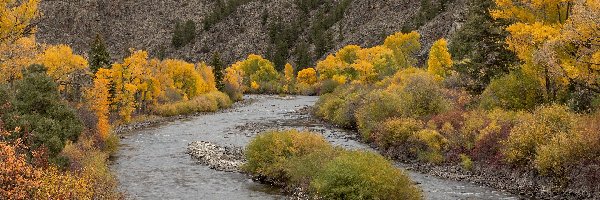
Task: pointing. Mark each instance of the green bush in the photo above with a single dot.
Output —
(38, 109)
(378, 106)
(339, 107)
(268, 154)
(514, 91)
(363, 175)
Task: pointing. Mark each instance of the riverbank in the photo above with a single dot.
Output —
(294, 113)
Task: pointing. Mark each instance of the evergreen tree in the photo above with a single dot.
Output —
(178, 38)
(480, 48)
(98, 55)
(218, 66)
(303, 56)
(189, 32)
(38, 110)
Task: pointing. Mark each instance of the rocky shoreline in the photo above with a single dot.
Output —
(227, 159)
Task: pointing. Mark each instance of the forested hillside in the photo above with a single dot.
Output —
(298, 31)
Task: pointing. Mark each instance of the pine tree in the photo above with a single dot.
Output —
(303, 56)
(178, 38)
(480, 48)
(218, 66)
(98, 55)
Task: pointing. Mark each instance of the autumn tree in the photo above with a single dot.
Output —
(16, 56)
(404, 47)
(208, 76)
(184, 78)
(234, 83)
(98, 55)
(440, 61)
(65, 68)
(288, 72)
(98, 98)
(307, 76)
(16, 18)
(136, 86)
(256, 68)
(555, 40)
(17, 44)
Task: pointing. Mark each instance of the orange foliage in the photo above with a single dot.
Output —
(98, 98)
(18, 179)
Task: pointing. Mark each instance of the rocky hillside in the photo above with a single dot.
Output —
(149, 25)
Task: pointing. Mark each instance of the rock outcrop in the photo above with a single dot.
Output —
(149, 24)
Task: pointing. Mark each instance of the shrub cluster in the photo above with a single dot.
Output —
(209, 102)
(303, 159)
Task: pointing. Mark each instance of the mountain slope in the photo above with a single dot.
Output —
(149, 24)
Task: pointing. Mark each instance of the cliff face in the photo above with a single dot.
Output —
(149, 25)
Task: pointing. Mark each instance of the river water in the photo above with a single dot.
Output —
(152, 163)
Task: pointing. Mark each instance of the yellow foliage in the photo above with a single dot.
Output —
(254, 85)
(330, 66)
(234, 83)
(134, 78)
(256, 68)
(404, 46)
(381, 58)
(289, 73)
(15, 19)
(340, 79)
(98, 99)
(15, 56)
(208, 76)
(18, 179)
(366, 71)
(61, 62)
(184, 78)
(549, 37)
(307, 76)
(348, 54)
(440, 61)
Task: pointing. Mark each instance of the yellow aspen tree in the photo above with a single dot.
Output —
(17, 43)
(366, 71)
(98, 99)
(555, 40)
(382, 60)
(289, 74)
(307, 76)
(127, 78)
(258, 69)
(332, 65)
(16, 56)
(61, 62)
(15, 19)
(348, 54)
(234, 83)
(440, 60)
(184, 78)
(208, 76)
(404, 47)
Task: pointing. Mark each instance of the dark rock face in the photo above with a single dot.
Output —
(149, 24)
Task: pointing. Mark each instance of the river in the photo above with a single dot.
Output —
(152, 163)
